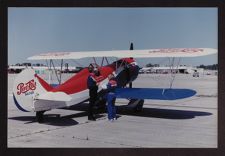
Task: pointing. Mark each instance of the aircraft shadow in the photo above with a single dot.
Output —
(162, 113)
(82, 114)
(55, 119)
(49, 119)
(149, 112)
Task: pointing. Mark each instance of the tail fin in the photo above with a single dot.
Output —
(26, 86)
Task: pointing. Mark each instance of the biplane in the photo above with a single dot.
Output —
(32, 93)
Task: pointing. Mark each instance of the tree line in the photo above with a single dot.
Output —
(209, 67)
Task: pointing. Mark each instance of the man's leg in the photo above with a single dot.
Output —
(90, 113)
(91, 104)
(114, 108)
(110, 111)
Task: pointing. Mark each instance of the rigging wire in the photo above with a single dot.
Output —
(157, 77)
(173, 74)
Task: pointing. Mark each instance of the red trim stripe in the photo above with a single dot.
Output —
(44, 84)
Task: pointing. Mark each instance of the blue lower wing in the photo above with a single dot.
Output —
(154, 93)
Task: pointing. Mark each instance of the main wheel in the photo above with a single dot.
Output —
(139, 106)
(40, 116)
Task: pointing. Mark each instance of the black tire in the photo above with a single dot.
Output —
(139, 106)
(40, 116)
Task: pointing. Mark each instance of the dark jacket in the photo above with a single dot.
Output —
(91, 82)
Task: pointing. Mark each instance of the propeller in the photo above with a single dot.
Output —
(131, 48)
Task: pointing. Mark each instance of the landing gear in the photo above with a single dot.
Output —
(130, 85)
(40, 116)
(137, 104)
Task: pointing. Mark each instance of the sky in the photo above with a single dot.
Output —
(32, 31)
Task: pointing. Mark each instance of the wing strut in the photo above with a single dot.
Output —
(173, 72)
(58, 78)
(102, 61)
(107, 60)
(49, 70)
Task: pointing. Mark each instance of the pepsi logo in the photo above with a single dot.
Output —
(25, 87)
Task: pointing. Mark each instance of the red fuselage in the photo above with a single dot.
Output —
(78, 82)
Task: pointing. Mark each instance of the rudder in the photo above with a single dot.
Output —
(26, 87)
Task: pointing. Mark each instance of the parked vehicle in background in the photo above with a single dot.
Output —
(196, 73)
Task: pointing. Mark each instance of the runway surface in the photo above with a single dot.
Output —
(185, 123)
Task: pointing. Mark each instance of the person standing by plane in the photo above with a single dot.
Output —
(111, 97)
(93, 89)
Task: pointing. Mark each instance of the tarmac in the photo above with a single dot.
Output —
(185, 123)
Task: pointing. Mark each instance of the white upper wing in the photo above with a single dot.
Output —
(171, 52)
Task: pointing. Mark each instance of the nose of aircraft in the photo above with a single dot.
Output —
(127, 75)
(133, 71)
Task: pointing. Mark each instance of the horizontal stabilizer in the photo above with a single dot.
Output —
(54, 96)
(154, 93)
